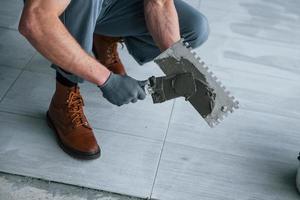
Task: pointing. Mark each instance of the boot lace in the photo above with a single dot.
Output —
(75, 104)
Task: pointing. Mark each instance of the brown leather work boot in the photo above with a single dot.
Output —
(65, 116)
(105, 50)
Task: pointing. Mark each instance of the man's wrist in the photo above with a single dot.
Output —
(103, 78)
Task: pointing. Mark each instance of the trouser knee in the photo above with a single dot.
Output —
(198, 30)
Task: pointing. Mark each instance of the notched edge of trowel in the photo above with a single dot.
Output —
(225, 103)
(219, 117)
(212, 121)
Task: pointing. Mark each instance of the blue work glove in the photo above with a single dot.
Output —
(123, 89)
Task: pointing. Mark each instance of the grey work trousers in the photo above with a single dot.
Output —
(125, 18)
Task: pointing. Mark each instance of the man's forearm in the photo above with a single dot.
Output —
(49, 36)
(162, 22)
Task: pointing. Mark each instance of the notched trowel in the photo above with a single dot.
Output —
(188, 76)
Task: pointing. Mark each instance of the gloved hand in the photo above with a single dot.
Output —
(122, 89)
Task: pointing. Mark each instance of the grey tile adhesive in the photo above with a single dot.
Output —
(188, 76)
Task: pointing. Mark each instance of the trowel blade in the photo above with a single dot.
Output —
(211, 100)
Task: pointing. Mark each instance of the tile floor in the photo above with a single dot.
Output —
(167, 151)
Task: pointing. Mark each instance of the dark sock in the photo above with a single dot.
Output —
(64, 81)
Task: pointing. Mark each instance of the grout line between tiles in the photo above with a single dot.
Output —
(162, 148)
(129, 134)
(20, 114)
(99, 129)
(8, 28)
(17, 78)
(11, 85)
(10, 67)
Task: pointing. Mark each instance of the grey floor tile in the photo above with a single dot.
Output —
(7, 77)
(245, 133)
(194, 3)
(10, 11)
(284, 30)
(127, 165)
(15, 51)
(252, 56)
(39, 64)
(193, 173)
(140, 72)
(32, 93)
(278, 10)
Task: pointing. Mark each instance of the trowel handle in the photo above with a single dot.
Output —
(169, 87)
(145, 85)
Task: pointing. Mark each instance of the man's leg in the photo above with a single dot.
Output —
(105, 49)
(65, 114)
(127, 20)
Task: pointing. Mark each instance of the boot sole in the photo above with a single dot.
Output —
(70, 151)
